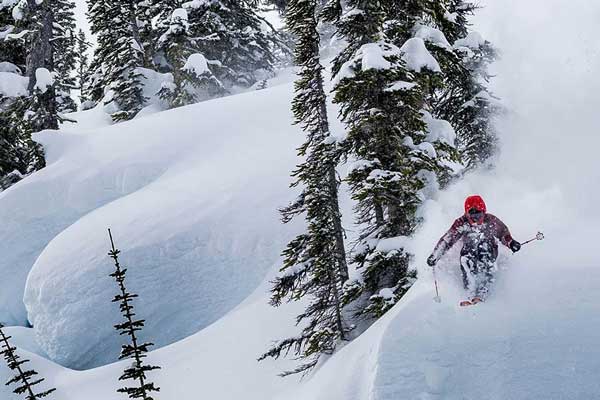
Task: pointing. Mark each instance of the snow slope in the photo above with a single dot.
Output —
(535, 338)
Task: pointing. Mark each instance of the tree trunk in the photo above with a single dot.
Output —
(379, 214)
(135, 33)
(332, 187)
(340, 250)
(42, 56)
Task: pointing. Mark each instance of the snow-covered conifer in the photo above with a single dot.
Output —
(26, 379)
(82, 67)
(193, 75)
(118, 57)
(315, 261)
(40, 48)
(99, 67)
(457, 92)
(64, 52)
(280, 5)
(130, 327)
(394, 154)
(467, 102)
(13, 50)
(13, 54)
(230, 36)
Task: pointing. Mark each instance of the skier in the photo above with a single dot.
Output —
(479, 231)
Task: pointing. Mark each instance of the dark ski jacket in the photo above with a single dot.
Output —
(475, 237)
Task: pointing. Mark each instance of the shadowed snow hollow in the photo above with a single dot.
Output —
(191, 196)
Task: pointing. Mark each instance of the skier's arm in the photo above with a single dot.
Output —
(502, 232)
(448, 240)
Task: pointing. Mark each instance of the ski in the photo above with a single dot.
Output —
(474, 301)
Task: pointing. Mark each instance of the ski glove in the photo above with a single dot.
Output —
(515, 246)
(431, 261)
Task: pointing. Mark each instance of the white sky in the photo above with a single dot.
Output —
(80, 10)
(547, 76)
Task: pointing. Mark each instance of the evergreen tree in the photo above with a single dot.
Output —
(13, 153)
(100, 64)
(118, 57)
(154, 17)
(458, 93)
(315, 261)
(12, 50)
(229, 35)
(278, 4)
(193, 76)
(82, 70)
(64, 42)
(394, 155)
(41, 107)
(468, 103)
(40, 46)
(13, 54)
(209, 48)
(130, 327)
(127, 56)
(27, 380)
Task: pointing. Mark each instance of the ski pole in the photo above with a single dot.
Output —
(539, 236)
(437, 297)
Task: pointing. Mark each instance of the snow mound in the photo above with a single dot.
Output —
(24, 339)
(192, 202)
(438, 129)
(197, 64)
(43, 79)
(417, 57)
(432, 35)
(9, 67)
(12, 84)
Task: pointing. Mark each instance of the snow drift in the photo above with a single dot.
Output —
(192, 198)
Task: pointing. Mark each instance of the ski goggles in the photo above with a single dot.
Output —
(476, 215)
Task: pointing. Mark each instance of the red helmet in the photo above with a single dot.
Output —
(475, 209)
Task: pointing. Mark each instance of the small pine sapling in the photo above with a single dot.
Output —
(130, 326)
(26, 380)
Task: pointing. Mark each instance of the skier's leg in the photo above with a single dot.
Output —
(486, 267)
(468, 268)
